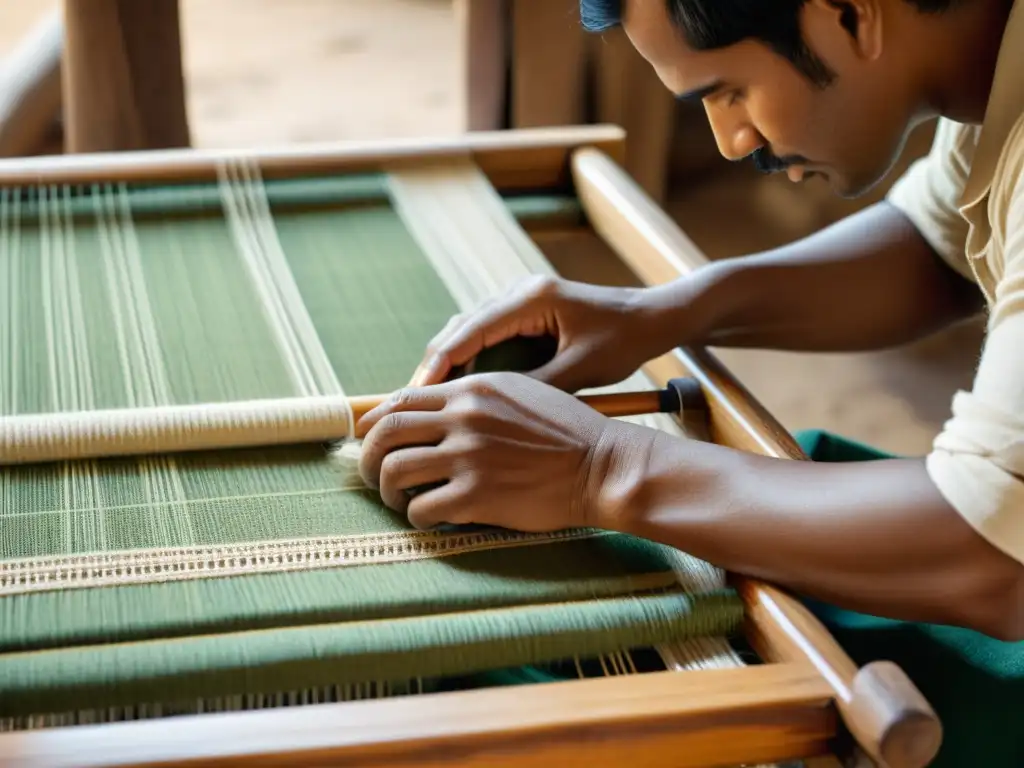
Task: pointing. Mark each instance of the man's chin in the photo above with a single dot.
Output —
(849, 188)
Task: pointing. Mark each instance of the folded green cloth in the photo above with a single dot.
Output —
(975, 683)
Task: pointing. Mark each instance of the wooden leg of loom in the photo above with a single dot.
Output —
(30, 89)
(523, 63)
(123, 82)
(881, 707)
(483, 65)
(548, 63)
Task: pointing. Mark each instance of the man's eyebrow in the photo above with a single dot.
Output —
(699, 94)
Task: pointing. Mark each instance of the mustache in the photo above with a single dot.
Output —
(767, 162)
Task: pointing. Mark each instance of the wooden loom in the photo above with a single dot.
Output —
(793, 706)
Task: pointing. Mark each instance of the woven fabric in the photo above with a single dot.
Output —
(109, 569)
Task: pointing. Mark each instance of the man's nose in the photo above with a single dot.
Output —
(735, 136)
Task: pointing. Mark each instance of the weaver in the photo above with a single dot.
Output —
(134, 588)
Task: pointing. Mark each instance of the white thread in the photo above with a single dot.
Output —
(172, 428)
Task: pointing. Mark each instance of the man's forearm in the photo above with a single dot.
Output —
(869, 281)
(875, 537)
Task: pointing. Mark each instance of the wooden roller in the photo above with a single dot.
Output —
(48, 437)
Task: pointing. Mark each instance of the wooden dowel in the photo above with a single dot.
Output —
(614, 405)
(883, 710)
(124, 87)
(30, 89)
(48, 437)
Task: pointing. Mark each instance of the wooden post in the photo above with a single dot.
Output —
(30, 90)
(548, 64)
(483, 62)
(123, 81)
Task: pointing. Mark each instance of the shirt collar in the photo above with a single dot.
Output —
(1005, 106)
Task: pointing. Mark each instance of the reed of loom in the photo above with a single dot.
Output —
(790, 707)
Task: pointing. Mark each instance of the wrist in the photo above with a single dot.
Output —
(617, 475)
(686, 311)
(654, 485)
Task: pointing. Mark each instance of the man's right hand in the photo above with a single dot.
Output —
(604, 333)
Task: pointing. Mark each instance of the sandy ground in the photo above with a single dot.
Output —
(272, 71)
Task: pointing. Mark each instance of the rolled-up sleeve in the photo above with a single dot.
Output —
(977, 461)
(929, 193)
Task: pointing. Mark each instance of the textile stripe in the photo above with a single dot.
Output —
(248, 213)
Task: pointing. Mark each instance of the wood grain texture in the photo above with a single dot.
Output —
(718, 717)
(30, 89)
(549, 57)
(883, 710)
(529, 159)
(124, 88)
(483, 62)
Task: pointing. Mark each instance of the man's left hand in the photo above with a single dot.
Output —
(495, 449)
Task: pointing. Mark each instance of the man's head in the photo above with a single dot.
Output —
(830, 87)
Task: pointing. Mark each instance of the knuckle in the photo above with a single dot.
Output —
(392, 423)
(482, 386)
(542, 287)
(473, 485)
(474, 414)
(400, 398)
(368, 466)
(391, 470)
(395, 499)
(467, 457)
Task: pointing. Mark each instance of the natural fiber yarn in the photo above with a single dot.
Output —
(48, 437)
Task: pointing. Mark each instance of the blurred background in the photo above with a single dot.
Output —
(291, 71)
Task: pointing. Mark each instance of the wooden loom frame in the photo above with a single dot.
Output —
(790, 707)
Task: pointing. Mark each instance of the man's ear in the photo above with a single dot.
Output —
(861, 20)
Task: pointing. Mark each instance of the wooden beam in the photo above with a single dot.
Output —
(530, 159)
(549, 57)
(659, 720)
(124, 87)
(483, 62)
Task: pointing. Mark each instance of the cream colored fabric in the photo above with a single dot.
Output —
(967, 199)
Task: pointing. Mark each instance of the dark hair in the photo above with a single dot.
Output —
(710, 24)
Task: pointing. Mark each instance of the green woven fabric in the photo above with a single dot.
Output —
(608, 566)
(975, 683)
(297, 659)
(120, 297)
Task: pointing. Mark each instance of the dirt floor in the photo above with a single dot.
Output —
(273, 71)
